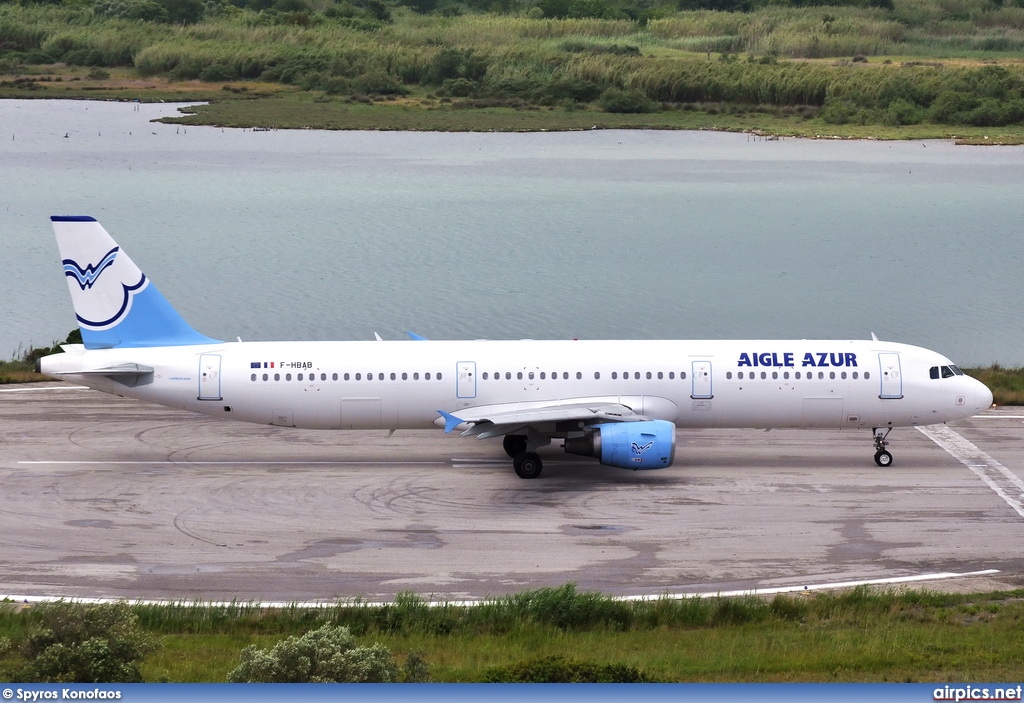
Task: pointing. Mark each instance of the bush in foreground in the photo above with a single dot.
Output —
(325, 655)
(86, 644)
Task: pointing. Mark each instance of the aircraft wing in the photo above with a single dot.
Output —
(510, 418)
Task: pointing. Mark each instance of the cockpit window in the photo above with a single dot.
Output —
(944, 371)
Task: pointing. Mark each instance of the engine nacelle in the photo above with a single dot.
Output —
(650, 444)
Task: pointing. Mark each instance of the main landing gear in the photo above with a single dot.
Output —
(526, 463)
(882, 457)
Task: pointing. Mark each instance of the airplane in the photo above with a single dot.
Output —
(618, 401)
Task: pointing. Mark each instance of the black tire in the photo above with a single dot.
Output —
(883, 458)
(514, 444)
(527, 465)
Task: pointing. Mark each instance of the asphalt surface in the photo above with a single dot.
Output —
(110, 497)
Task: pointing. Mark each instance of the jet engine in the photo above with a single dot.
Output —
(650, 444)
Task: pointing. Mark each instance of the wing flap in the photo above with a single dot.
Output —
(497, 420)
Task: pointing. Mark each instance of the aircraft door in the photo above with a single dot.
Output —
(892, 379)
(209, 377)
(701, 381)
(465, 386)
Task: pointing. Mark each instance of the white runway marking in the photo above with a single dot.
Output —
(48, 388)
(469, 603)
(1006, 484)
(186, 462)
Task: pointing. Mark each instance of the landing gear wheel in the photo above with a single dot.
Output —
(527, 465)
(883, 458)
(514, 444)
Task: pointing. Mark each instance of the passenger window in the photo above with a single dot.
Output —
(542, 376)
(415, 376)
(648, 375)
(821, 375)
(530, 375)
(334, 377)
(615, 375)
(597, 375)
(519, 376)
(682, 375)
(254, 377)
(277, 377)
(842, 375)
(785, 374)
(728, 374)
(299, 377)
(764, 375)
(347, 377)
(508, 375)
(266, 377)
(775, 375)
(393, 377)
(426, 376)
(359, 377)
(671, 375)
(287, 377)
(832, 375)
(854, 375)
(867, 375)
(660, 375)
(438, 375)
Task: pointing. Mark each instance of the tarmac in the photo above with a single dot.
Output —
(106, 497)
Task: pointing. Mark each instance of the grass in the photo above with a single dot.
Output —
(1007, 385)
(858, 635)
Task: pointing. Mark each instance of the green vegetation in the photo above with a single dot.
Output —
(328, 654)
(896, 68)
(21, 368)
(858, 635)
(84, 644)
(1007, 385)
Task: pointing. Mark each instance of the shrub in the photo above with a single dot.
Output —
(326, 655)
(561, 670)
(216, 73)
(86, 644)
(455, 63)
(618, 100)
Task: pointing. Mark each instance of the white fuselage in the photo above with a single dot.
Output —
(403, 385)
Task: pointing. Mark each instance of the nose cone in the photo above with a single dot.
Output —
(984, 397)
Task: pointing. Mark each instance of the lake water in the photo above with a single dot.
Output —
(599, 234)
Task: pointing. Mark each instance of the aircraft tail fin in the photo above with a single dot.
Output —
(115, 303)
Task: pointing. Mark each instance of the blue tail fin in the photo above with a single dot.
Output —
(115, 303)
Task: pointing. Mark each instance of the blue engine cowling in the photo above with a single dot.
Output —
(650, 444)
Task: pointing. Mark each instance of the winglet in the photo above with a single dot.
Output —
(416, 337)
(450, 421)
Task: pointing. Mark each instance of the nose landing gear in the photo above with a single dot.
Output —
(882, 457)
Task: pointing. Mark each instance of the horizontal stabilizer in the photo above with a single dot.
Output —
(127, 369)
